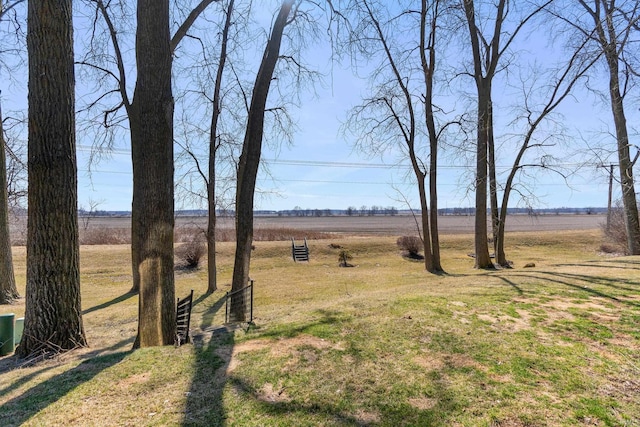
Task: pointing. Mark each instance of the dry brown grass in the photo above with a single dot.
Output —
(383, 343)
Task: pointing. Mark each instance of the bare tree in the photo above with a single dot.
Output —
(16, 162)
(392, 112)
(53, 316)
(557, 85)
(213, 149)
(611, 25)
(8, 290)
(145, 213)
(250, 157)
(487, 51)
(217, 173)
(150, 117)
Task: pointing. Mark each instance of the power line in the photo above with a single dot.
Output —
(314, 181)
(358, 165)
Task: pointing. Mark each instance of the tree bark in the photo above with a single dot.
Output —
(629, 201)
(152, 213)
(483, 260)
(250, 160)
(8, 290)
(493, 180)
(53, 316)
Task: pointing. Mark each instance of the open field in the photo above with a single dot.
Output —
(354, 225)
(393, 225)
(382, 343)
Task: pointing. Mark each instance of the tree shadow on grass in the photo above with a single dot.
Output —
(213, 349)
(214, 376)
(571, 280)
(21, 408)
(436, 411)
(209, 314)
(511, 283)
(608, 282)
(204, 404)
(116, 300)
(613, 263)
(14, 362)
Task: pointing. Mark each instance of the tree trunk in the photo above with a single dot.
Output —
(53, 316)
(611, 47)
(213, 148)
(483, 260)
(629, 201)
(150, 33)
(435, 235)
(483, 85)
(428, 69)
(212, 269)
(250, 160)
(424, 215)
(493, 180)
(8, 290)
(152, 213)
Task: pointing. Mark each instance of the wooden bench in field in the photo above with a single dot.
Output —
(183, 319)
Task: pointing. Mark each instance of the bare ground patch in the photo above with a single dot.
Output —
(281, 347)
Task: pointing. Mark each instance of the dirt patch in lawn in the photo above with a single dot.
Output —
(281, 347)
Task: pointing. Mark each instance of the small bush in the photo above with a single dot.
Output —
(410, 244)
(617, 232)
(105, 236)
(607, 248)
(188, 254)
(344, 257)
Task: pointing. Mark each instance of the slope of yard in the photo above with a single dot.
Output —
(382, 343)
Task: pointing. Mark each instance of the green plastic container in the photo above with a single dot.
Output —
(6, 334)
(17, 330)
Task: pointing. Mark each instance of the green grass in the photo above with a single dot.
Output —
(383, 343)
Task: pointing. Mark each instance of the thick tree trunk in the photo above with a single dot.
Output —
(250, 160)
(53, 316)
(629, 201)
(152, 216)
(483, 260)
(483, 85)
(8, 290)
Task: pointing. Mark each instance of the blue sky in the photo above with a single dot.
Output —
(321, 169)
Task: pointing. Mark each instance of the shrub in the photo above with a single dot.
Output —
(189, 254)
(105, 236)
(607, 248)
(617, 232)
(344, 257)
(410, 244)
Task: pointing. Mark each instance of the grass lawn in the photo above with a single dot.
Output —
(382, 343)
